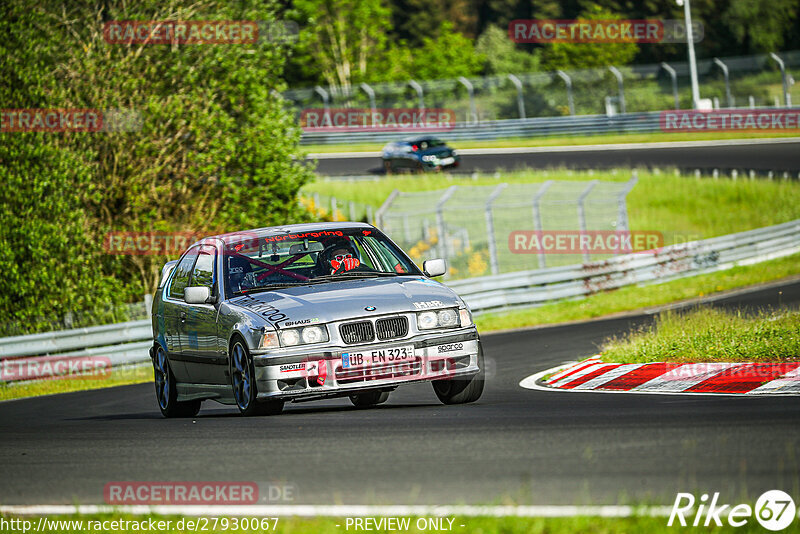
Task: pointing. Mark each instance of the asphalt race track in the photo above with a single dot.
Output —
(778, 155)
(534, 447)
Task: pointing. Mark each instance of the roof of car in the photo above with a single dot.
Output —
(420, 139)
(287, 229)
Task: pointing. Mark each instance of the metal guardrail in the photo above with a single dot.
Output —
(508, 128)
(128, 343)
(532, 288)
(644, 122)
(51, 354)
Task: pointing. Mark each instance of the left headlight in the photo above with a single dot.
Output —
(446, 318)
(292, 337)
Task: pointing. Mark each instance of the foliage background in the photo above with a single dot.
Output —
(215, 151)
(218, 149)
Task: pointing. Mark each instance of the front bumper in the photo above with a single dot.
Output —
(321, 374)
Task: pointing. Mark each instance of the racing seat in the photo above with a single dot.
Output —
(238, 271)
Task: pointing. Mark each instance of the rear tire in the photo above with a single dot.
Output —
(167, 391)
(461, 390)
(243, 382)
(369, 398)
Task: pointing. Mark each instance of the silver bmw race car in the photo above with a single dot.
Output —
(305, 312)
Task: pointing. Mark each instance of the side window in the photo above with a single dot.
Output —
(182, 272)
(203, 273)
(391, 261)
(366, 259)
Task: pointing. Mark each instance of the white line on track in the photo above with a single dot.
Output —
(579, 148)
(316, 510)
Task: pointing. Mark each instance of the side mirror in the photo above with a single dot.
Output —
(435, 267)
(196, 295)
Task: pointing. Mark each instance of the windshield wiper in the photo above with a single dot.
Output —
(351, 274)
(276, 286)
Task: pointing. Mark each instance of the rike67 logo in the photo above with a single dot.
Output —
(774, 510)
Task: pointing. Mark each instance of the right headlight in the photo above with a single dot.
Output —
(446, 318)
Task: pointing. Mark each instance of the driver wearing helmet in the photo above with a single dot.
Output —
(340, 257)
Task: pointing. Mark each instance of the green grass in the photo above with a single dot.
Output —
(478, 525)
(710, 335)
(563, 140)
(118, 377)
(637, 297)
(678, 206)
(601, 304)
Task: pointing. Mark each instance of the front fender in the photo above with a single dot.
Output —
(252, 337)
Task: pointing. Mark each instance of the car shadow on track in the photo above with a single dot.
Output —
(222, 412)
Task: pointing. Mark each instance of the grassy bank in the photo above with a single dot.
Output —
(710, 335)
(601, 304)
(604, 139)
(677, 206)
(118, 377)
(638, 297)
(484, 525)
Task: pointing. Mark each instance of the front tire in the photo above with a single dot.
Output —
(369, 398)
(461, 390)
(243, 382)
(167, 391)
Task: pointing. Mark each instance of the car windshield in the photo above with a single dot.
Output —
(276, 260)
(426, 143)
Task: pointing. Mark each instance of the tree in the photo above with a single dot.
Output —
(502, 56)
(342, 39)
(216, 150)
(760, 26)
(563, 55)
(413, 20)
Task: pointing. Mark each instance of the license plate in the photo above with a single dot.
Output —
(374, 357)
(447, 161)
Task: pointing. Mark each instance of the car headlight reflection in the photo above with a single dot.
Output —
(303, 336)
(289, 338)
(313, 334)
(447, 318)
(427, 320)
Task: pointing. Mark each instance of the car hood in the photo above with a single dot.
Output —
(336, 301)
(441, 151)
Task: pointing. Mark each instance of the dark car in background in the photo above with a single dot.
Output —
(419, 154)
